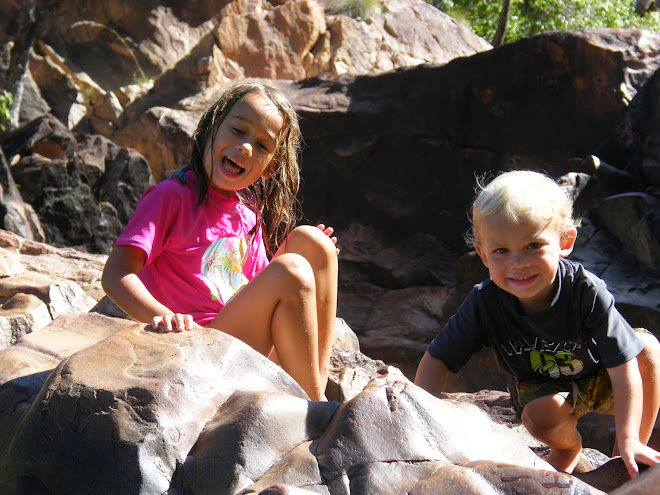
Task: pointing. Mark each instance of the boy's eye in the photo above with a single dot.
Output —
(535, 245)
(501, 250)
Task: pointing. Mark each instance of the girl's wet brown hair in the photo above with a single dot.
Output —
(274, 200)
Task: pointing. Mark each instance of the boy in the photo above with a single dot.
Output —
(552, 323)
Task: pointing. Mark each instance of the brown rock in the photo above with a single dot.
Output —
(250, 432)
(44, 265)
(21, 314)
(273, 44)
(645, 484)
(142, 399)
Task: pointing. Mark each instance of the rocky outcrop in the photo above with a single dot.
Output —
(129, 409)
(84, 190)
(38, 283)
(399, 113)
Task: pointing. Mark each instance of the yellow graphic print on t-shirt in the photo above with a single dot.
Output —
(555, 365)
(222, 266)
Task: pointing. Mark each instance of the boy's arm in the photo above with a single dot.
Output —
(121, 283)
(627, 390)
(432, 375)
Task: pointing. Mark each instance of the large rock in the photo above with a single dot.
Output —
(83, 192)
(200, 412)
(15, 214)
(136, 400)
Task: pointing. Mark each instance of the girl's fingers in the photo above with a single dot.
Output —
(328, 231)
(174, 323)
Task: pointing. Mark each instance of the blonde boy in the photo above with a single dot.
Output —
(552, 323)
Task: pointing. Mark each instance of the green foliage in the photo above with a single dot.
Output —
(363, 9)
(529, 17)
(6, 102)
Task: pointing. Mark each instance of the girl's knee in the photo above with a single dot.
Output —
(311, 239)
(295, 271)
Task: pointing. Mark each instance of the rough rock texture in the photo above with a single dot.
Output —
(39, 282)
(15, 214)
(83, 191)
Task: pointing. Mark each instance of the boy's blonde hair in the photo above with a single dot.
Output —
(522, 194)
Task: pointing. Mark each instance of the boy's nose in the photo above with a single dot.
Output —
(518, 260)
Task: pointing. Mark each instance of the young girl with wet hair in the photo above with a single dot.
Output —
(214, 245)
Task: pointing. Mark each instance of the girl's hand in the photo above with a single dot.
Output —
(174, 323)
(328, 231)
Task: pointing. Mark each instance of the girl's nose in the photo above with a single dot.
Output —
(245, 148)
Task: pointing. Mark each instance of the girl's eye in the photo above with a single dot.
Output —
(237, 130)
(263, 147)
(535, 245)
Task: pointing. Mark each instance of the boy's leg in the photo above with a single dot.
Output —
(316, 247)
(278, 308)
(649, 368)
(550, 419)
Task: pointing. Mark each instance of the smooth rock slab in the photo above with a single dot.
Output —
(393, 420)
(250, 433)
(119, 415)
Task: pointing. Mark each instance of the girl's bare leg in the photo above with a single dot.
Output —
(316, 247)
(550, 419)
(277, 308)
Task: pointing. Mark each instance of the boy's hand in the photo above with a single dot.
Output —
(634, 451)
(328, 231)
(174, 323)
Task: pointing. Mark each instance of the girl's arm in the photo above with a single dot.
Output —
(627, 390)
(121, 283)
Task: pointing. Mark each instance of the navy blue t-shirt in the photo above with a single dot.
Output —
(580, 330)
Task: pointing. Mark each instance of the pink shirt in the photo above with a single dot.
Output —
(197, 255)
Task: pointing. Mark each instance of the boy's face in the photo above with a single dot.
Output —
(522, 257)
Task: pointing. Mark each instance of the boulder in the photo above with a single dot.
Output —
(15, 214)
(83, 192)
(129, 408)
(137, 400)
(32, 267)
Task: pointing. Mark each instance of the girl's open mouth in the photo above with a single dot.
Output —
(231, 167)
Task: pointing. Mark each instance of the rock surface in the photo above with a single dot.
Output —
(399, 113)
(133, 410)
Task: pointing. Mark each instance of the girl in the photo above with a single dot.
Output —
(196, 250)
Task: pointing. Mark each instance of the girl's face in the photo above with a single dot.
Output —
(522, 257)
(244, 145)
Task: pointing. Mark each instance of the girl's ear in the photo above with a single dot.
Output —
(567, 242)
(271, 169)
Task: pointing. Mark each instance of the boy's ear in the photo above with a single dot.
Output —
(271, 169)
(480, 252)
(567, 242)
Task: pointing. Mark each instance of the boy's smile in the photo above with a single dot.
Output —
(522, 257)
(244, 144)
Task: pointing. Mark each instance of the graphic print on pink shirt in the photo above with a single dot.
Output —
(222, 267)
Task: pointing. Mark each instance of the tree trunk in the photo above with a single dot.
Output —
(501, 25)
